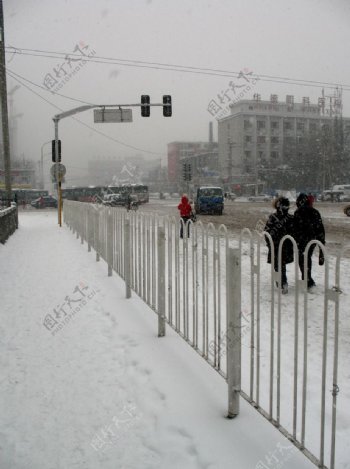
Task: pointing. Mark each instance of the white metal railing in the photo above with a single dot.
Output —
(195, 285)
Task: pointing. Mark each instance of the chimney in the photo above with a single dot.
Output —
(210, 133)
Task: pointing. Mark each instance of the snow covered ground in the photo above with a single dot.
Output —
(105, 391)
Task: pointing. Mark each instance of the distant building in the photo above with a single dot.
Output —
(259, 135)
(178, 152)
(201, 156)
(20, 177)
(124, 170)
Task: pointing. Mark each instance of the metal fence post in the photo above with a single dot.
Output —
(109, 243)
(161, 281)
(82, 223)
(233, 328)
(89, 226)
(127, 257)
(97, 235)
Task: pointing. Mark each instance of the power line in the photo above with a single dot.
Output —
(173, 67)
(81, 122)
(45, 89)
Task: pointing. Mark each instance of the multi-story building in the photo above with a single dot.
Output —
(201, 156)
(260, 135)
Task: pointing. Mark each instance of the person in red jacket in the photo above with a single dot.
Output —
(185, 213)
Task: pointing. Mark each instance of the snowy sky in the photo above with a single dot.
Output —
(303, 39)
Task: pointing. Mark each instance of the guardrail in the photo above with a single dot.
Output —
(8, 222)
(243, 330)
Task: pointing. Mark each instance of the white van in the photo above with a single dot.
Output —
(342, 188)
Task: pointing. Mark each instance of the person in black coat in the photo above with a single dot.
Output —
(308, 225)
(279, 224)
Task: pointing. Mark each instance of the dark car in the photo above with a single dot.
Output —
(44, 202)
(347, 210)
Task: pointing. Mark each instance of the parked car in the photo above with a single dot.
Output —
(44, 202)
(347, 210)
(118, 200)
(260, 198)
(231, 196)
(331, 196)
(113, 200)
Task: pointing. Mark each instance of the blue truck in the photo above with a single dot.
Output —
(209, 200)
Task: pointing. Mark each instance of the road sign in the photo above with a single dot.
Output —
(112, 115)
(60, 171)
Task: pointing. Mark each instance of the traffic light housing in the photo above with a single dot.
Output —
(167, 111)
(189, 172)
(53, 151)
(184, 171)
(145, 105)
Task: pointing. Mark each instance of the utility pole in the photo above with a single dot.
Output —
(229, 162)
(4, 111)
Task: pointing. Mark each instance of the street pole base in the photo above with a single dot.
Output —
(231, 416)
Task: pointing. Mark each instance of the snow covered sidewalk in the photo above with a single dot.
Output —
(103, 391)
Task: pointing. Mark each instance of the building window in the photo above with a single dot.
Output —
(287, 125)
(274, 155)
(301, 126)
(247, 125)
(261, 139)
(289, 141)
(248, 138)
(247, 154)
(261, 155)
(275, 125)
(312, 127)
(260, 124)
(274, 140)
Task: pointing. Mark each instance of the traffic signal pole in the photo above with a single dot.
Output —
(145, 110)
(58, 176)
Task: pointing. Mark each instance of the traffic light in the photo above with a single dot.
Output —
(54, 153)
(145, 105)
(167, 105)
(184, 171)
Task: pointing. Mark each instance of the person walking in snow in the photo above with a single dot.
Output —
(185, 213)
(308, 225)
(279, 224)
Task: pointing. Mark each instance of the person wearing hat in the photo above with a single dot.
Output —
(308, 225)
(279, 224)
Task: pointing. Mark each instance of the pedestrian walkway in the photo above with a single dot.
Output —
(87, 384)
